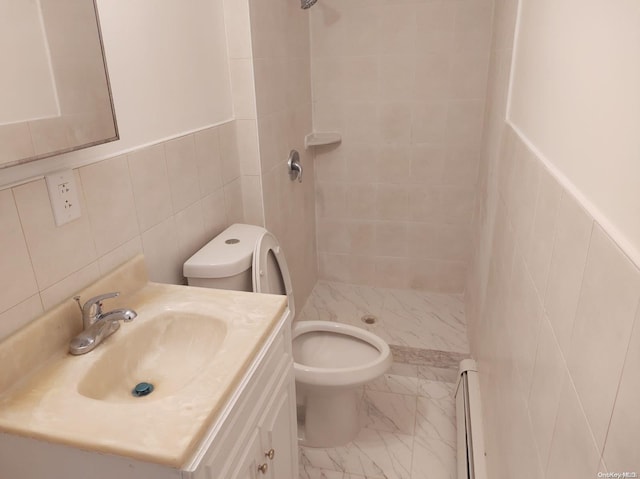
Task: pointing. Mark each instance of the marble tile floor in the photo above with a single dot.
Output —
(408, 415)
(408, 320)
(409, 431)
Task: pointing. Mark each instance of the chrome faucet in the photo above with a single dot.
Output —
(97, 325)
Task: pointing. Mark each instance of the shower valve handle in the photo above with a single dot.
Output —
(295, 167)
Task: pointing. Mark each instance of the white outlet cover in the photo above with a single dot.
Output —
(63, 195)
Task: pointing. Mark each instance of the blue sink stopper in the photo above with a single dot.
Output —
(142, 389)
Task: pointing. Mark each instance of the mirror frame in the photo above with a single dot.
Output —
(115, 137)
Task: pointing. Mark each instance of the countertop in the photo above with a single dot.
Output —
(39, 394)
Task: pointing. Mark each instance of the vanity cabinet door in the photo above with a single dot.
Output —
(278, 431)
(270, 450)
(262, 418)
(247, 463)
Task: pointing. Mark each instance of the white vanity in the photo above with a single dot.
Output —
(223, 406)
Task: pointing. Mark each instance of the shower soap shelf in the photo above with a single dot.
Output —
(322, 138)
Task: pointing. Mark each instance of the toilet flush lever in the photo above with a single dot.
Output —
(295, 167)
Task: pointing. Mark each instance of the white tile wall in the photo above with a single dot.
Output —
(606, 312)
(183, 172)
(573, 451)
(546, 386)
(561, 309)
(55, 252)
(572, 235)
(551, 304)
(108, 194)
(621, 451)
(21, 283)
(150, 182)
(282, 82)
(404, 82)
(165, 201)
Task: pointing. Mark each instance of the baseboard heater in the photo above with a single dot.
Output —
(471, 453)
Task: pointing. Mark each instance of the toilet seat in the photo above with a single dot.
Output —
(265, 269)
(351, 375)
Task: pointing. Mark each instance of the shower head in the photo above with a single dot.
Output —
(307, 3)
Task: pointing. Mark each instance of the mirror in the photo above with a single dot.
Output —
(54, 88)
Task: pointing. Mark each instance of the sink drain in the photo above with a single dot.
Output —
(142, 389)
(369, 319)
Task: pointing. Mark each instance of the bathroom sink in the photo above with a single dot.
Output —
(169, 351)
(192, 344)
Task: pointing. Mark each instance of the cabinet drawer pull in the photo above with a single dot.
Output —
(270, 453)
(263, 468)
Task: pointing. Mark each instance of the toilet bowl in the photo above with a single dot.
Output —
(331, 360)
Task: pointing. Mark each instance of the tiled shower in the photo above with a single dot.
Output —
(404, 82)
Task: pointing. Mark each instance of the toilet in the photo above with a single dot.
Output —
(331, 360)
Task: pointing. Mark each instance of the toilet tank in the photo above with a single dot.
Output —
(225, 261)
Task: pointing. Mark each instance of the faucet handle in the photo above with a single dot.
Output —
(95, 301)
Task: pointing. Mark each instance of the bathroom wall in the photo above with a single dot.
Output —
(169, 198)
(281, 64)
(404, 83)
(169, 76)
(552, 304)
(165, 200)
(243, 92)
(268, 46)
(578, 62)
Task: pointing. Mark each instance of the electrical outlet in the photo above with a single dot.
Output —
(63, 194)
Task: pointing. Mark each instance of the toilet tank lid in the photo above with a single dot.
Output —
(227, 254)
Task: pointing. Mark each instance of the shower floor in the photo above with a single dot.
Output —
(408, 415)
(409, 320)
